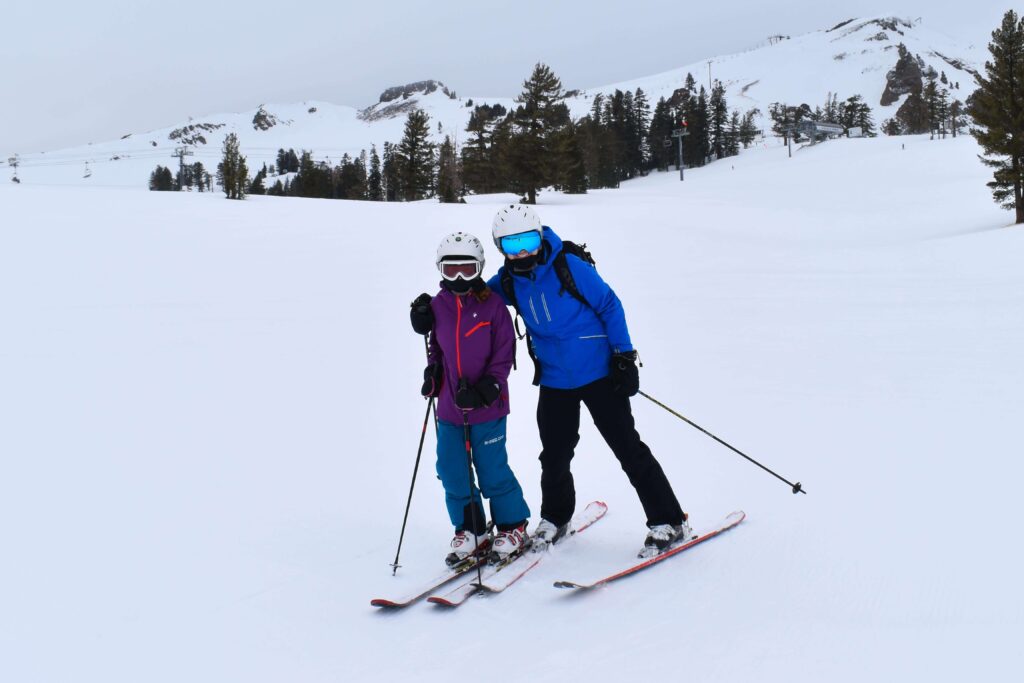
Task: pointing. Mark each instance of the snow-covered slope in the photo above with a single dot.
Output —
(849, 59)
(209, 416)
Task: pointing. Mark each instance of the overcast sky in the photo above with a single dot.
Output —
(75, 72)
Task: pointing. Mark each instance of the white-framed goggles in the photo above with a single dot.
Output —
(467, 269)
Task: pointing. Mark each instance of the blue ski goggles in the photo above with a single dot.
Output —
(513, 245)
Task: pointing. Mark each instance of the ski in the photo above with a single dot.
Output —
(430, 586)
(517, 569)
(732, 520)
(496, 578)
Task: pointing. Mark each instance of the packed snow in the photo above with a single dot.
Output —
(210, 415)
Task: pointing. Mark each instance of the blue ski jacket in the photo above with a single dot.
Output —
(573, 342)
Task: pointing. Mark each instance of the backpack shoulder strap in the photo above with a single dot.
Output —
(508, 288)
(565, 278)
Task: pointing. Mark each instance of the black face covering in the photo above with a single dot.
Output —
(460, 286)
(528, 263)
(524, 264)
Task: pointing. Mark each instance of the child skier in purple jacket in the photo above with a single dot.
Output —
(471, 348)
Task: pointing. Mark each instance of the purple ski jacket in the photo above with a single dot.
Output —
(471, 339)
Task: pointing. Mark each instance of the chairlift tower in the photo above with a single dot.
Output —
(181, 153)
(681, 133)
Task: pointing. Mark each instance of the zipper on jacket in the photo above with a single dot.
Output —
(458, 328)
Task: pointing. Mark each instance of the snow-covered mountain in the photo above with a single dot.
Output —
(856, 56)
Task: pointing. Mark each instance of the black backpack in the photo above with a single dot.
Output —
(565, 279)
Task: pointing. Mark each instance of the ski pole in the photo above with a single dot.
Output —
(796, 487)
(472, 500)
(426, 347)
(412, 484)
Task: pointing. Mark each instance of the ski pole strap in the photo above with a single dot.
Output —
(797, 488)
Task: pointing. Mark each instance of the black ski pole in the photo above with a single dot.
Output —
(472, 500)
(412, 484)
(426, 347)
(796, 487)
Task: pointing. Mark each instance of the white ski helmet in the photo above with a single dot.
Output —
(460, 244)
(512, 220)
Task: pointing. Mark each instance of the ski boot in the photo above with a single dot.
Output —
(508, 544)
(547, 534)
(466, 545)
(661, 537)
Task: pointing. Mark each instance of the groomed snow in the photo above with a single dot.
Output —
(210, 416)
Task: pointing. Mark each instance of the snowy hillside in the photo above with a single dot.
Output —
(852, 58)
(210, 415)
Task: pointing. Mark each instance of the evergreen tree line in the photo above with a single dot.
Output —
(162, 179)
(537, 144)
(850, 113)
(531, 146)
(932, 110)
(352, 178)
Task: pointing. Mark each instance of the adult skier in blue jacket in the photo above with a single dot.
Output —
(584, 355)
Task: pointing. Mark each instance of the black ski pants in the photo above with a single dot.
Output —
(558, 417)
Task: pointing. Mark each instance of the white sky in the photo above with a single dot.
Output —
(75, 72)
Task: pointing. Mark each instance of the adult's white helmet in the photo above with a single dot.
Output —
(460, 244)
(512, 220)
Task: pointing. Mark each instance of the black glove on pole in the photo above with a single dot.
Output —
(426, 347)
(432, 378)
(421, 315)
(479, 395)
(624, 374)
(797, 488)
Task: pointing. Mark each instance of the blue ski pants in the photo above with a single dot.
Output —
(496, 480)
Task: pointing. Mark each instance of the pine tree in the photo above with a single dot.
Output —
(200, 175)
(390, 180)
(415, 157)
(719, 119)
(748, 127)
(641, 124)
(161, 180)
(537, 120)
(932, 103)
(891, 127)
(660, 133)
(479, 163)
(232, 172)
(256, 187)
(375, 190)
(732, 135)
(914, 115)
(997, 107)
(697, 145)
(449, 173)
(956, 117)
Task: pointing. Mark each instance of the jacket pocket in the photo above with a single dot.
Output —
(476, 327)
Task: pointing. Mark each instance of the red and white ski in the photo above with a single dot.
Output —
(729, 522)
(428, 587)
(495, 579)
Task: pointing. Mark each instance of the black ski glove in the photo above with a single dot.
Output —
(421, 315)
(432, 376)
(625, 376)
(483, 393)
